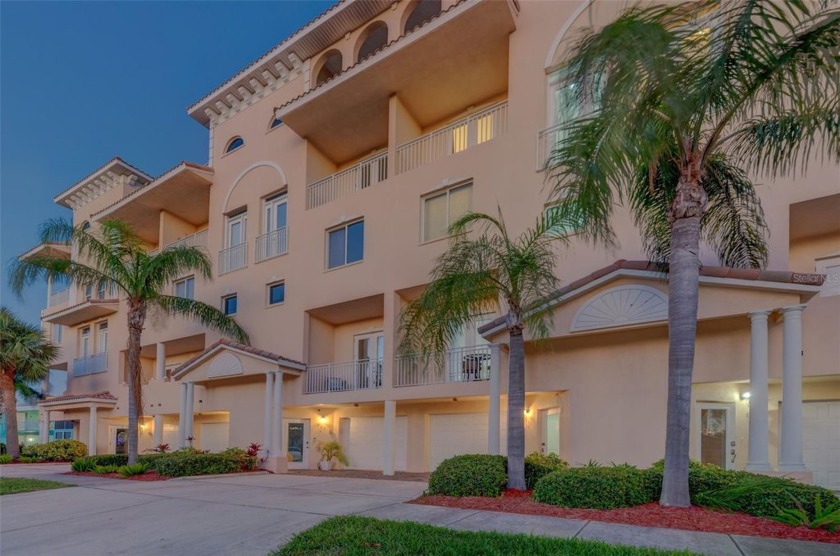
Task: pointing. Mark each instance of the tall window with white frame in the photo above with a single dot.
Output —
(84, 342)
(274, 240)
(185, 288)
(235, 254)
(346, 244)
(102, 337)
(441, 210)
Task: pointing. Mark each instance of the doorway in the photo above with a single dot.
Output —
(297, 443)
(551, 431)
(369, 351)
(120, 441)
(715, 433)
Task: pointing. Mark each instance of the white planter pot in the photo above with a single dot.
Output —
(325, 465)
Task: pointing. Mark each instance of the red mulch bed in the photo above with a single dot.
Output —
(694, 518)
(147, 476)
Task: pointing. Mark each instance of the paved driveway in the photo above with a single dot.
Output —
(241, 514)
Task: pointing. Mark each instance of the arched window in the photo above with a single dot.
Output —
(373, 38)
(86, 226)
(330, 67)
(275, 122)
(234, 144)
(421, 12)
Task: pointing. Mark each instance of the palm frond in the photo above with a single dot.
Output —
(160, 270)
(24, 351)
(204, 313)
(27, 271)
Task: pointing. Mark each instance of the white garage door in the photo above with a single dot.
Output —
(460, 433)
(214, 436)
(821, 442)
(364, 442)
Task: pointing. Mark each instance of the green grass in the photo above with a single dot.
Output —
(356, 536)
(14, 485)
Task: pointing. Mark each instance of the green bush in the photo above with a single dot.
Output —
(601, 488)
(105, 469)
(189, 464)
(539, 465)
(29, 459)
(5, 458)
(133, 469)
(83, 465)
(764, 496)
(246, 462)
(470, 475)
(57, 450)
(702, 477)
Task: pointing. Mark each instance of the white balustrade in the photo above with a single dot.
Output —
(341, 377)
(359, 176)
(233, 258)
(198, 239)
(272, 244)
(468, 364)
(60, 297)
(547, 141)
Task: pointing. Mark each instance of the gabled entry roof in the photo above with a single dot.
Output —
(234, 348)
(104, 397)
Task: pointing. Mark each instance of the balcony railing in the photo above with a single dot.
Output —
(272, 244)
(198, 239)
(341, 377)
(359, 176)
(469, 364)
(60, 297)
(92, 364)
(458, 136)
(547, 141)
(233, 258)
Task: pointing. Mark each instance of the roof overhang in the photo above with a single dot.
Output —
(51, 250)
(183, 191)
(83, 312)
(456, 60)
(81, 401)
(225, 360)
(115, 173)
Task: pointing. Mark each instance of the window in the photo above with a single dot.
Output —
(102, 340)
(229, 304)
(185, 288)
(88, 290)
(569, 226)
(62, 430)
(440, 211)
(101, 289)
(276, 293)
(275, 213)
(84, 342)
(236, 229)
(57, 333)
(375, 37)
(330, 67)
(275, 122)
(346, 244)
(830, 267)
(421, 12)
(234, 144)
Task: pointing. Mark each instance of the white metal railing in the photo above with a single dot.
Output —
(233, 258)
(198, 239)
(359, 176)
(92, 364)
(59, 298)
(453, 138)
(547, 141)
(272, 244)
(341, 377)
(468, 364)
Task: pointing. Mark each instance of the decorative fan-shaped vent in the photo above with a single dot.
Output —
(225, 364)
(621, 306)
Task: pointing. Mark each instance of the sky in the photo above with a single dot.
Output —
(82, 82)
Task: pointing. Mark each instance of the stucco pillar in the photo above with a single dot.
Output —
(388, 440)
(759, 447)
(391, 310)
(790, 458)
(495, 400)
(277, 417)
(182, 417)
(92, 432)
(160, 361)
(157, 433)
(44, 426)
(190, 413)
(269, 393)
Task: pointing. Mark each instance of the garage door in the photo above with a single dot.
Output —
(459, 433)
(363, 442)
(821, 442)
(214, 436)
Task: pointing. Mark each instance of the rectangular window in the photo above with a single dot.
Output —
(62, 430)
(564, 228)
(101, 288)
(57, 333)
(276, 293)
(346, 244)
(440, 211)
(236, 229)
(88, 290)
(229, 304)
(102, 340)
(275, 213)
(84, 342)
(185, 288)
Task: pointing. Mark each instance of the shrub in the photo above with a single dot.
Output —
(29, 459)
(161, 448)
(601, 488)
(5, 458)
(828, 517)
(470, 475)
(82, 465)
(57, 450)
(254, 449)
(246, 462)
(702, 477)
(133, 469)
(107, 459)
(104, 469)
(538, 465)
(764, 496)
(185, 464)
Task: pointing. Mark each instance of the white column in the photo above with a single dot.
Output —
(182, 417)
(190, 414)
(45, 426)
(160, 361)
(759, 454)
(269, 387)
(790, 458)
(388, 442)
(495, 401)
(157, 434)
(92, 432)
(277, 418)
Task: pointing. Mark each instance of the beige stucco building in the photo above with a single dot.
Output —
(336, 162)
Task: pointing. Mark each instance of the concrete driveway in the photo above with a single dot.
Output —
(234, 514)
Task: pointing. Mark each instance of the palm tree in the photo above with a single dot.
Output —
(114, 257)
(513, 275)
(690, 98)
(25, 357)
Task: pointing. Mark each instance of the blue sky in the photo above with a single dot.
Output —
(81, 82)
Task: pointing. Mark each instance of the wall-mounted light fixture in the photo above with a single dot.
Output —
(745, 395)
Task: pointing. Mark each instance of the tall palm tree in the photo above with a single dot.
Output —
(25, 357)
(513, 275)
(690, 98)
(115, 257)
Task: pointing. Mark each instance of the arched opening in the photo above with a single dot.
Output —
(234, 144)
(421, 12)
(330, 67)
(373, 38)
(275, 122)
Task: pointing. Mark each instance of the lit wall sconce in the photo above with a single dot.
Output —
(745, 395)
(322, 419)
(527, 412)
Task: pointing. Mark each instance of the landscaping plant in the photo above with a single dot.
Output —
(6, 458)
(601, 488)
(83, 465)
(538, 465)
(828, 517)
(469, 475)
(133, 469)
(332, 450)
(57, 450)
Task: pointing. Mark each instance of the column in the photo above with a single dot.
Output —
(92, 432)
(269, 387)
(190, 413)
(277, 448)
(182, 417)
(759, 448)
(495, 401)
(388, 442)
(44, 426)
(391, 308)
(790, 458)
(160, 361)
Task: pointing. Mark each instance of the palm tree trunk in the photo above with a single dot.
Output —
(136, 319)
(516, 408)
(7, 384)
(683, 296)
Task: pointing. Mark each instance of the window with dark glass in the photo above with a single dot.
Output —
(276, 293)
(234, 144)
(229, 305)
(346, 244)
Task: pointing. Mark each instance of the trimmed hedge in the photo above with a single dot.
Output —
(57, 450)
(539, 465)
(470, 475)
(188, 465)
(602, 488)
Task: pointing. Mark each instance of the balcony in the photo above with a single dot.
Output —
(60, 297)
(92, 364)
(469, 364)
(233, 258)
(547, 141)
(198, 239)
(359, 176)
(455, 137)
(273, 244)
(89, 309)
(342, 377)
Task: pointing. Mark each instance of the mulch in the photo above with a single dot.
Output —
(694, 518)
(147, 476)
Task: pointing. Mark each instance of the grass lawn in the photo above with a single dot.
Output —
(14, 485)
(351, 536)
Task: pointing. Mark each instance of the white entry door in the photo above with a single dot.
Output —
(364, 442)
(715, 434)
(296, 437)
(214, 436)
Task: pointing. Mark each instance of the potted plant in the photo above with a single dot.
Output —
(331, 451)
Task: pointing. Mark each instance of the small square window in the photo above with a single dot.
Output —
(229, 304)
(566, 228)
(276, 293)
